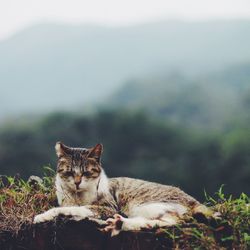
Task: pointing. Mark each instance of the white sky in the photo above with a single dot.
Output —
(17, 14)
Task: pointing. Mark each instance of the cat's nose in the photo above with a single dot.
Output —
(78, 180)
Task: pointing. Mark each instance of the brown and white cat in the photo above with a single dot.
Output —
(84, 191)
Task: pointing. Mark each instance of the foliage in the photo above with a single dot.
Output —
(136, 146)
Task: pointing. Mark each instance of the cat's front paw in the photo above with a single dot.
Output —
(40, 218)
(46, 216)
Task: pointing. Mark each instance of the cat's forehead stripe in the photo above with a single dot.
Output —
(83, 150)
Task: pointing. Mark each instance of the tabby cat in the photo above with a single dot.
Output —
(84, 191)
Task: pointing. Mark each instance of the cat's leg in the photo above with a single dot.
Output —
(157, 210)
(147, 216)
(119, 223)
(89, 211)
(76, 212)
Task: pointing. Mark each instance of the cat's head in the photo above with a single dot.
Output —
(78, 166)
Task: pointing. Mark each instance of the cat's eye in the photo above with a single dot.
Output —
(68, 173)
(86, 173)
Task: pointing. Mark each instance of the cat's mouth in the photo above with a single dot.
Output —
(78, 190)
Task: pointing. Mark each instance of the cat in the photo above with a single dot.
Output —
(84, 191)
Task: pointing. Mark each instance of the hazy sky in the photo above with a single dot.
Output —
(17, 14)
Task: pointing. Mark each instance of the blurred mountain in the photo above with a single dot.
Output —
(212, 101)
(52, 66)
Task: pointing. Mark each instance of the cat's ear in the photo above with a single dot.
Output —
(96, 152)
(61, 149)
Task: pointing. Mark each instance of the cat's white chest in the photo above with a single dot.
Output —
(87, 197)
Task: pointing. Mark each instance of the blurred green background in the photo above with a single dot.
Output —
(170, 100)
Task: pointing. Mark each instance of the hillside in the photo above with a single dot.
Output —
(47, 63)
(206, 101)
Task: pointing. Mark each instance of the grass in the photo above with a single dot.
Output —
(230, 231)
(20, 200)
